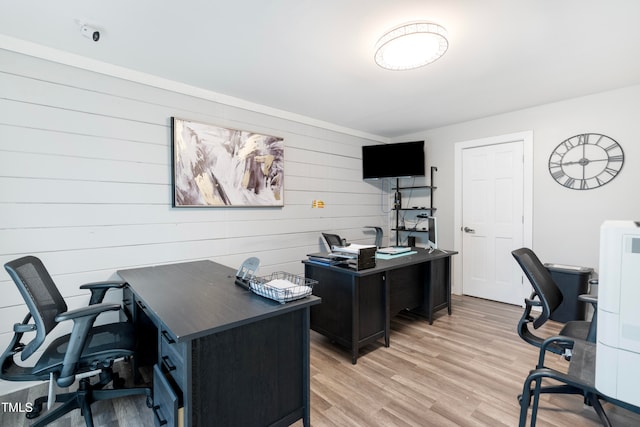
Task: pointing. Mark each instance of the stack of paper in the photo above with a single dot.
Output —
(393, 250)
(353, 248)
(359, 257)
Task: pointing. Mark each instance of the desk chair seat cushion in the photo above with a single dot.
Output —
(578, 329)
(105, 344)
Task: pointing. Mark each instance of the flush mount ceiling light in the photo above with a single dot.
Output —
(411, 46)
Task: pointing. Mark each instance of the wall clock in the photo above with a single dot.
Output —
(586, 161)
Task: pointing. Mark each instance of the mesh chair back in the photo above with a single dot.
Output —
(41, 296)
(332, 240)
(543, 284)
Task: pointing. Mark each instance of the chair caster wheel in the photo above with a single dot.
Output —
(34, 413)
(520, 399)
(37, 408)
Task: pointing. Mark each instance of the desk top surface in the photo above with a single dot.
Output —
(583, 362)
(198, 298)
(421, 256)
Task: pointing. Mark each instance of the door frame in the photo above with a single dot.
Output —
(527, 226)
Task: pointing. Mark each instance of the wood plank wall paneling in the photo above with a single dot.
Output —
(85, 182)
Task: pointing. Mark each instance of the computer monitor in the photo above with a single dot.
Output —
(432, 240)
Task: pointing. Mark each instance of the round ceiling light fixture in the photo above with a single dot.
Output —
(411, 45)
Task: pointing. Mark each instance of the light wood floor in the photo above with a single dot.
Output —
(464, 370)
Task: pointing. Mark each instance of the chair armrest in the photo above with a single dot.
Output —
(83, 319)
(105, 284)
(593, 300)
(99, 289)
(532, 302)
(590, 298)
(558, 340)
(91, 310)
(25, 326)
(18, 331)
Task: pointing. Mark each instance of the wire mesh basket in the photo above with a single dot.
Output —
(281, 286)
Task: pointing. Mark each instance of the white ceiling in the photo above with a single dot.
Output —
(315, 57)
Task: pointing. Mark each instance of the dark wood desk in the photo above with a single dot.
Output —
(357, 306)
(224, 355)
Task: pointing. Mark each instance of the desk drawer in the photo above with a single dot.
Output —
(165, 400)
(172, 357)
(141, 311)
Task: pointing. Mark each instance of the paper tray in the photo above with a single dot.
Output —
(281, 286)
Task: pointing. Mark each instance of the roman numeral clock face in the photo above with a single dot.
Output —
(586, 161)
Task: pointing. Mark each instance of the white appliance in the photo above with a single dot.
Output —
(618, 336)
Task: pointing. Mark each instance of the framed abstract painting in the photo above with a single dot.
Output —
(219, 167)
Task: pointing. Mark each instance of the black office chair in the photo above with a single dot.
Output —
(332, 240)
(548, 297)
(87, 348)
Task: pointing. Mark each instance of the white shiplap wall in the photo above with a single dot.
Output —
(85, 182)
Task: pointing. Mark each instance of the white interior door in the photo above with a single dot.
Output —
(492, 221)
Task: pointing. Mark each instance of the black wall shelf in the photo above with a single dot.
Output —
(397, 207)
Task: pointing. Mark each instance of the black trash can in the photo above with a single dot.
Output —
(572, 281)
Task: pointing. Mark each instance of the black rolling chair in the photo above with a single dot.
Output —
(548, 297)
(87, 348)
(333, 240)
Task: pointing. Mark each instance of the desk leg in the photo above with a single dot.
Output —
(355, 321)
(449, 287)
(306, 375)
(438, 286)
(387, 312)
(430, 285)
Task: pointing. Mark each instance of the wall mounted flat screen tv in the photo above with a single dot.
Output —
(402, 159)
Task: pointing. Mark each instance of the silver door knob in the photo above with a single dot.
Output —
(469, 230)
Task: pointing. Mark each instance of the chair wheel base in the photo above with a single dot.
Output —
(33, 414)
(37, 408)
(118, 383)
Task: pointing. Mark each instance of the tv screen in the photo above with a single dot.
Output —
(401, 159)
